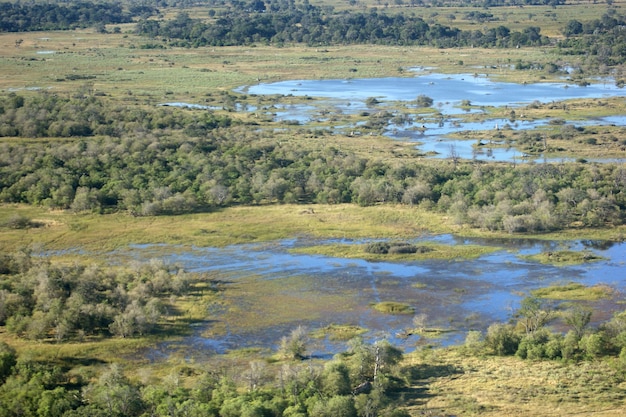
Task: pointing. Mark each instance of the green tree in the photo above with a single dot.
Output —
(424, 101)
(8, 359)
(114, 394)
(578, 318)
(294, 346)
(534, 314)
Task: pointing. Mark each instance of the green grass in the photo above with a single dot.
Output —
(575, 292)
(338, 332)
(393, 307)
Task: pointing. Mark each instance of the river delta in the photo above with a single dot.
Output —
(455, 296)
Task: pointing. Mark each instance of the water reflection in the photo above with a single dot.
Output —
(442, 88)
(457, 295)
(448, 93)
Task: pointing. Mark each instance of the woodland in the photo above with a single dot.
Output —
(74, 327)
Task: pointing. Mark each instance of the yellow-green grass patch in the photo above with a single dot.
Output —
(575, 292)
(338, 332)
(393, 307)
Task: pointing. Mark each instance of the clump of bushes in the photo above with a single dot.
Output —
(384, 248)
(18, 221)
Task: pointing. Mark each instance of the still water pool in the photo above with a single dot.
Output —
(458, 295)
(447, 92)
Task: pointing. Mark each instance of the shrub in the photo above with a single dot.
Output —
(294, 346)
(424, 101)
(379, 248)
(502, 339)
(403, 248)
(383, 248)
(17, 221)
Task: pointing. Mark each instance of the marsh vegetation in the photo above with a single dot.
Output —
(175, 242)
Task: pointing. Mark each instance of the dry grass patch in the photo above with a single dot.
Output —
(444, 382)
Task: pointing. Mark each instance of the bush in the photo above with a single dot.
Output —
(403, 248)
(593, 345)
(17, 221)
(294, 346)
(379, 248)
(424, 101)
(502, 339)
(383, 248)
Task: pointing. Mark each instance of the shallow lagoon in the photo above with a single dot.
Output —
(442, 88)
(447, 92)
(457, 295)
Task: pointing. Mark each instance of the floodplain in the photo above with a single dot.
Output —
(272, 267)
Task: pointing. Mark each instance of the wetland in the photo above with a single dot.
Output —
(273, 228)
(277, 286)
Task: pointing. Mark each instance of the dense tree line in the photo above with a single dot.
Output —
(356, 383)
(43, 301)
(530, 338)
(602, 41)
(86, 114)
(278, 22)
(166, 160)
(24, 17)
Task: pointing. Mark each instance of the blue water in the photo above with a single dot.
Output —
(447, 91)
(442, 88)
(457, 295)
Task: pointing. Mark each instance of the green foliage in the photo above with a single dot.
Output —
(383, 248)
(294, 346)
(17, 17)
(8, 359)
(336, 406)
(424, 101)
(535, 346)
(41, 301)
(114, 394)
(18, 221)
(502, 339)
(219, 163)
(534, 313)
(315, 25)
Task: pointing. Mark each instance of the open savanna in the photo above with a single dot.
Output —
(116, 64)
(449, 382)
